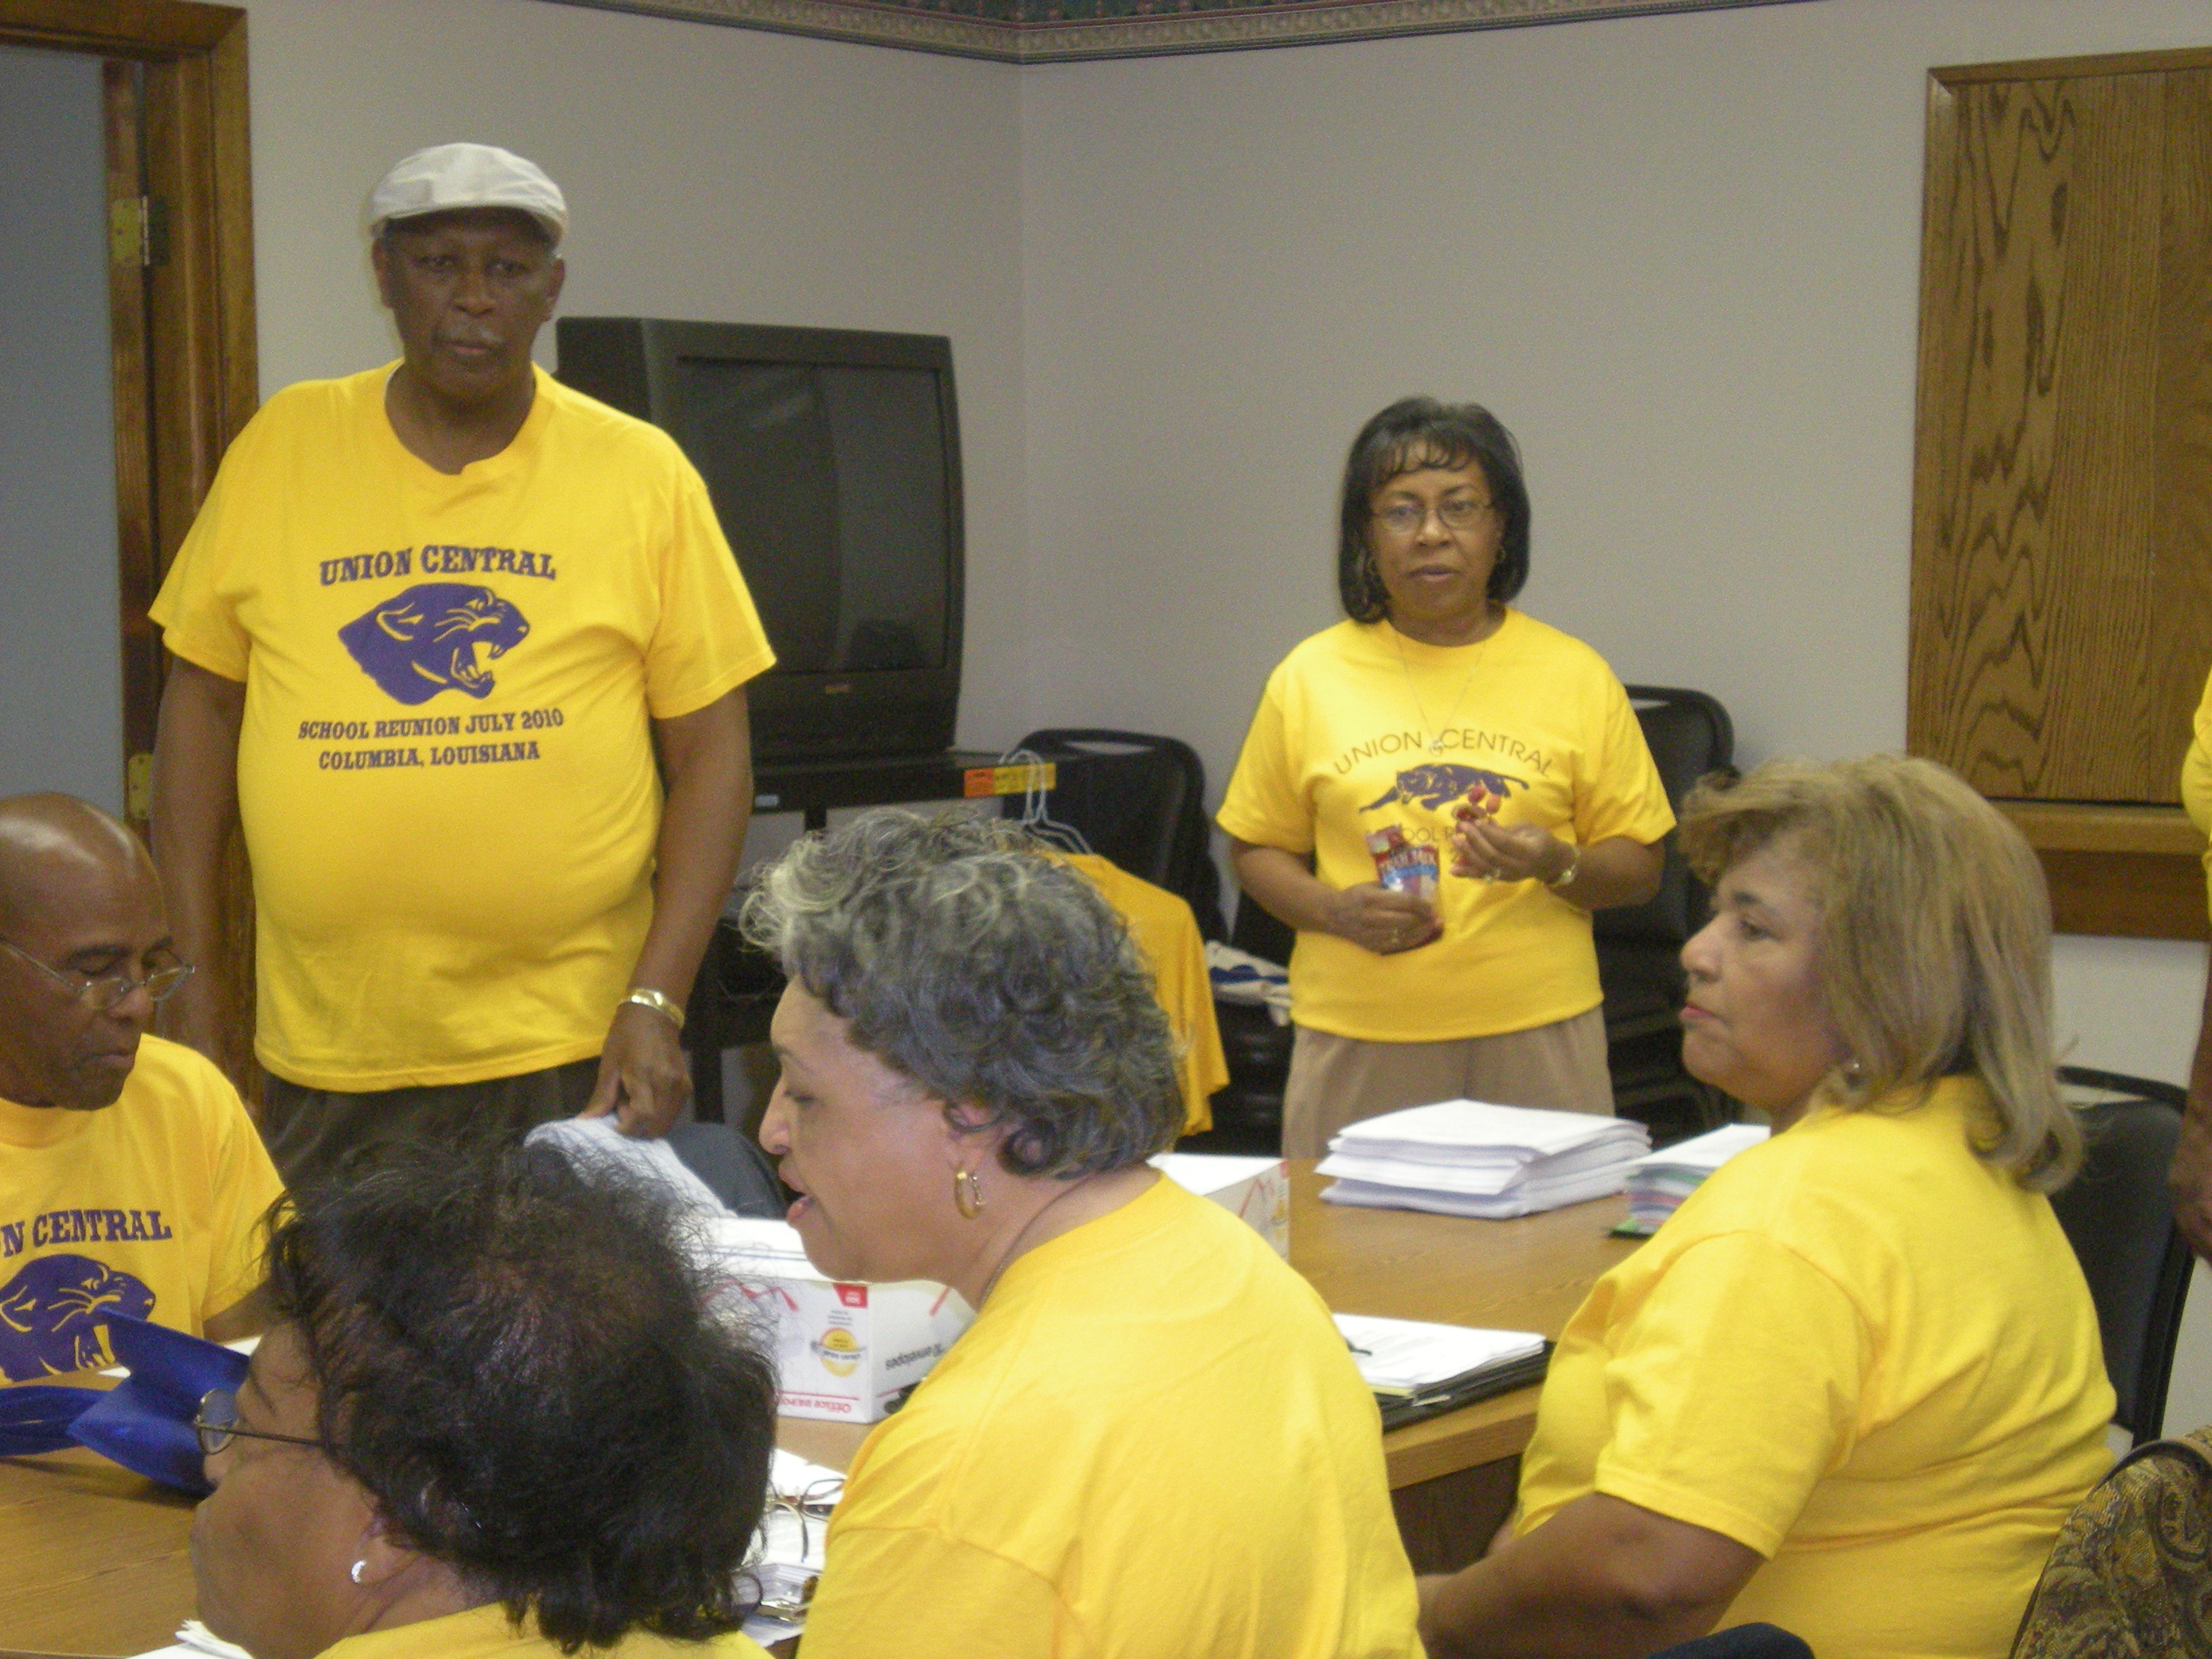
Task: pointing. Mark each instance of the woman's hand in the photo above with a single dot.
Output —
(1371, 915)
(1376, 919)
(1487, 850)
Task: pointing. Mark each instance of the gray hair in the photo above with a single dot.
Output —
(993, 976)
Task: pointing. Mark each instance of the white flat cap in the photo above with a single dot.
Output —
(447, 177)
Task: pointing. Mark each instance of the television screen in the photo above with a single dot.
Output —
(833, 459)
(829, 483)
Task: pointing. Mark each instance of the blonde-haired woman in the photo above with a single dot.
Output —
(1853, 1387)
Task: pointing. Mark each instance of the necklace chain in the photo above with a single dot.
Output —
(1437, 732)
(1007, 1261)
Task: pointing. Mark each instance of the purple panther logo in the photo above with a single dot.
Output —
(51, 1313)
(433, 637)
(1432, 786)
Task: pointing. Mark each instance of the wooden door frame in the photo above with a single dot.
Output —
(182, 322)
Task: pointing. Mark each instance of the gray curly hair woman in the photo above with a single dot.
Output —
(963, 957)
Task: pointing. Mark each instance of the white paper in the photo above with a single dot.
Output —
(1473, 1132)
(1706, 1153)
(1406, 1355)
(1529, 1198)
(1480, 1180)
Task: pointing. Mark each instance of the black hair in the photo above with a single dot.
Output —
(526, 1376)
(1420, 431)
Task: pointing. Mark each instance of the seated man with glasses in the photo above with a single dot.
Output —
(131, 1180)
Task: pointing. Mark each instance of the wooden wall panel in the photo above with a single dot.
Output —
(2062, 531)
(2181, 539)
(2035, 494)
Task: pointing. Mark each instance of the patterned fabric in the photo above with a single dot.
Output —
(2131, 1574)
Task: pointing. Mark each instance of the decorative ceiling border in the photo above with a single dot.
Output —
(1071, 31)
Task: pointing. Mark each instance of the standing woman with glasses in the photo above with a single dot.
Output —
(1436, 793)
(496, 1414)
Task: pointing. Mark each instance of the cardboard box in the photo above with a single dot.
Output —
(841, 1351)
(1257, 1190)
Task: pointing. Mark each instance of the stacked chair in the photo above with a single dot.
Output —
(1639, 946)
(1139, 801)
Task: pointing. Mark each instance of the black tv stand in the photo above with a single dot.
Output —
(815, 788)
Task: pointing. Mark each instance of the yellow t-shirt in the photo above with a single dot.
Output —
(1340, 750)
(2197, 779)
(445, 773)
(1152, 1445)
(1862, 1352)
(485, 1633)
(151, 1206)
(1167, 933)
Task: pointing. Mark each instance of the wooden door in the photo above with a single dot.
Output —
(181, 313)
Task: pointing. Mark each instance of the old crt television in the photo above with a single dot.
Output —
(833, 458)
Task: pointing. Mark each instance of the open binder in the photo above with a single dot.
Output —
(1419, 1369)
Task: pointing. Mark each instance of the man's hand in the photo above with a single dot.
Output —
(1376, 919)
(2190, 1176)
(644, 1078)
(2190, 1179)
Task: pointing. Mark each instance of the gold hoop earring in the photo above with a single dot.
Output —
(967, 1193)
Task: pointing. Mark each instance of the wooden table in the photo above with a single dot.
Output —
(92, 1559)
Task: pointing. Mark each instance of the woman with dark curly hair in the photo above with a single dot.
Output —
(492, 1416)
(1437, 794)
(1152, 1443)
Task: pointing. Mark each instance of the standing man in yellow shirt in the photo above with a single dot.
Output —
(465, 653)
(130, 1179)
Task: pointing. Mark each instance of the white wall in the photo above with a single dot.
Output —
(61, 662)
(712, 173)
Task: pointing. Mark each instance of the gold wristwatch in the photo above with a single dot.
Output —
(646, 997)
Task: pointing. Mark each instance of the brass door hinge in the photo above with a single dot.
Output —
(138, 232)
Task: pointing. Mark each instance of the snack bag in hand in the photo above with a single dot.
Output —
(1400, 866)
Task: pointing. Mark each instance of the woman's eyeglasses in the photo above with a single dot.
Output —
(216, 1425)
(1405, 519)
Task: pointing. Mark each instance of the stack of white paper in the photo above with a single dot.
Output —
(1468, 1157)
(1659, 1181)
